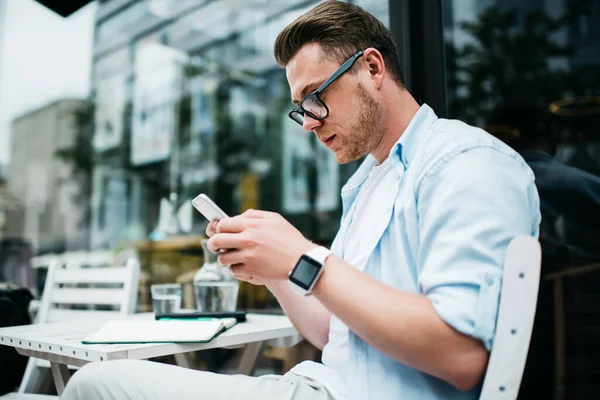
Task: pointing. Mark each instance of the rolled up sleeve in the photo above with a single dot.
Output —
(470, 206)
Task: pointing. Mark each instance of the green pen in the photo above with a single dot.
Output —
(239, 315)
(186, 319)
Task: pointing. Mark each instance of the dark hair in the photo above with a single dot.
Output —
(341, 29)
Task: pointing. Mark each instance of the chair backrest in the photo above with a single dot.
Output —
(76, 259)
(518, 300)
(43, 261)
(102, 292)
(79, 259)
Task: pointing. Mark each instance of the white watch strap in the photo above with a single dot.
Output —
(319, 254)
(296, 289)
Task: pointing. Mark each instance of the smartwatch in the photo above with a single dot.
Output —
(308, 270)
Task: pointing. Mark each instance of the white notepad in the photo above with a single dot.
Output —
(171, 331)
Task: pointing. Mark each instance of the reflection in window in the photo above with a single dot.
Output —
(213, 120)
(529, 73)
(519, 72)
(188, 100)
(117, 27)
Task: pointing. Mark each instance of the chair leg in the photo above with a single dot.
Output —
(36, 379)
(559, 339)
(183, 360)
(30, 377)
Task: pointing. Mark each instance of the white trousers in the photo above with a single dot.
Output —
(146, 380)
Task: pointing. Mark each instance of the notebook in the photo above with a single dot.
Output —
(200, 330)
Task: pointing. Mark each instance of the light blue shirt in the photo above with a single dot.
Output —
(461, 196)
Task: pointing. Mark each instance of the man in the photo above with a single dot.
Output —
(405, 307)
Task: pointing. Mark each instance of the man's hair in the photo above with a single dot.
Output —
(341, 29)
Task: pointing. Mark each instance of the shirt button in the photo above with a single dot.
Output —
(489, 280)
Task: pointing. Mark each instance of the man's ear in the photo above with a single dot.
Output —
(376, 66)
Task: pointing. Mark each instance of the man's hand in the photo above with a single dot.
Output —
(211, 228)
(262, 246)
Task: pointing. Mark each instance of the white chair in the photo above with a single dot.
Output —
(39, 264)
(75, 259)
(518, 300)
(80, 259)
(70, 259)
(112, 289)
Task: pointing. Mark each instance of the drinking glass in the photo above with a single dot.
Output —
(166, 298)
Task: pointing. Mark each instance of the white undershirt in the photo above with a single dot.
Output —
(332, 373)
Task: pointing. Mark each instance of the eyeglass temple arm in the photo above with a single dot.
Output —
(345, 67)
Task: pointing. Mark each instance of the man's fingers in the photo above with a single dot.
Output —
(224, 241)
(235, 224)
(239, 273)
(211, 228)
(259, 214)
(241, 222)
(231, 257)
(237, 270)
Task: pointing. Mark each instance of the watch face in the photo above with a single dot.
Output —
(305, 272)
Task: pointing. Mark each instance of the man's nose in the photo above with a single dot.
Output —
(310, 123)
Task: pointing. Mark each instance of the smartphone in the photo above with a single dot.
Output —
(208, 208)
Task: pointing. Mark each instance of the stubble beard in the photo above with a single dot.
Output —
(366, 133)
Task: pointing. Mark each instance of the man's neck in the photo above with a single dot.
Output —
(398, 109)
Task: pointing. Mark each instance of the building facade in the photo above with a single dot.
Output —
(54, 214)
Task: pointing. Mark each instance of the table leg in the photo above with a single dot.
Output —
(559, 339)
(61, 375)
(182, 360)
(248, 360)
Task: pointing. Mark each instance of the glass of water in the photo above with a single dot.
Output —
(215, 288)
(166, 298)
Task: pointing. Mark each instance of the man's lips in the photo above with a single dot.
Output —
(328, 140)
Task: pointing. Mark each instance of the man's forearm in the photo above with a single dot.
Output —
(403, 326)
(308, 315)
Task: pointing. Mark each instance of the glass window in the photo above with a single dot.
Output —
(117, 62)
(206, 111)
(528, 71)
(184, 97)
(118, 26)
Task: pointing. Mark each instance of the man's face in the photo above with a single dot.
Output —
(353, 128)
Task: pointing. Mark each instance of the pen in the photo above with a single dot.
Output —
(185, 319)
(240, 316)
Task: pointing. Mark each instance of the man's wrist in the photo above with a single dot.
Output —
(274, 286)
(295, 254)
(324, 276)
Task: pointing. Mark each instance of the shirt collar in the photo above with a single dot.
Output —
(402, 151)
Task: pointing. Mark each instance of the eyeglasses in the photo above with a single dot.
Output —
(312, 104)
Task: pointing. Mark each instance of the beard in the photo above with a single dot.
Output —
(365, 133)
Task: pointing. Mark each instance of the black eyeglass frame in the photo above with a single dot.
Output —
(300, 110)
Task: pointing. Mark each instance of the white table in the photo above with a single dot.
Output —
(60, 343)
